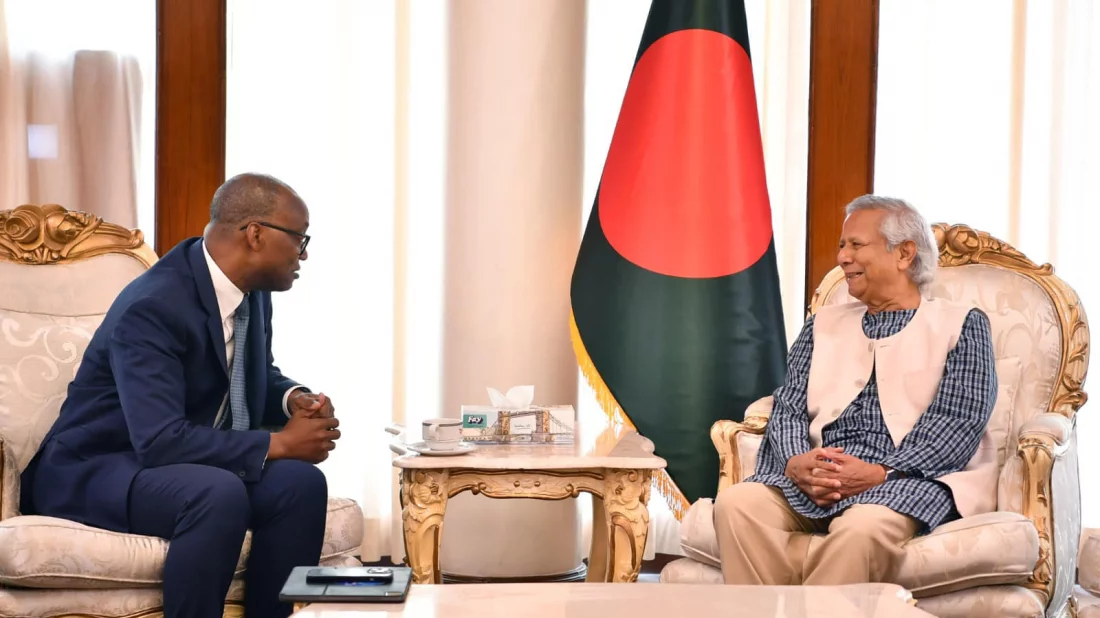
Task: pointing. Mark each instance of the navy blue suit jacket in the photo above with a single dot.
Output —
(147, 393)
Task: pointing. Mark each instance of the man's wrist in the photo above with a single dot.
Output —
(275, 448)
(290, 393)
(890, 474)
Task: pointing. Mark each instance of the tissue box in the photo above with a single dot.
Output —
(530, 425)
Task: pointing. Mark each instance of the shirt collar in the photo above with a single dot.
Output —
(229, 297)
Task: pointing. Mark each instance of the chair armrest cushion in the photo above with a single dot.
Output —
(1054, 426)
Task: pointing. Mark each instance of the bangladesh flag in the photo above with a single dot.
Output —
(676, 315)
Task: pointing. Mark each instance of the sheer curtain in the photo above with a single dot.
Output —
(421, 149)
(310, 100)
(77, 97)
(988, 115)
(779, 38)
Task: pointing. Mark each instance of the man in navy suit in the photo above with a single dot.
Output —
(166, 430)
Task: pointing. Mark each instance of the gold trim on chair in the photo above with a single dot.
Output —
(50, 234)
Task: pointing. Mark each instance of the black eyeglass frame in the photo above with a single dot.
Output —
(301, 246)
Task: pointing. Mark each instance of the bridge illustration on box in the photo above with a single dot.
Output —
(512, 419)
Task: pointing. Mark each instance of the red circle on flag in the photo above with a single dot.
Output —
(683, 190)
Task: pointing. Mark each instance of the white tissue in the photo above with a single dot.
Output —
(518, 398)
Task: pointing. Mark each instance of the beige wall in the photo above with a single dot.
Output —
(513, 208)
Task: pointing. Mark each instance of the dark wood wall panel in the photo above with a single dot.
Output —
(190, 141)
(843, 76)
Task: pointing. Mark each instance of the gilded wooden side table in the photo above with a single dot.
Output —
(616, 468)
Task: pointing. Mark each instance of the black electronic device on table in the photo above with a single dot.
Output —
(315, 584)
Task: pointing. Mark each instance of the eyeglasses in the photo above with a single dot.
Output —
(301, 245)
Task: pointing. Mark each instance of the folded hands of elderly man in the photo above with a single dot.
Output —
(827, 475)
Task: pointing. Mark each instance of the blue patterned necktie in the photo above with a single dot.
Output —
(238, 400)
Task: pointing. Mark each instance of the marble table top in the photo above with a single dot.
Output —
(611, 447)
(592, 600)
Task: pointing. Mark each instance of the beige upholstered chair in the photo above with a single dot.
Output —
(59, 272)
(1021, 559)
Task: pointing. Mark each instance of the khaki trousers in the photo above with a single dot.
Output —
(763, 541)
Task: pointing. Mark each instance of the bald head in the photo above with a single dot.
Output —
(258, 232)
(248, 197)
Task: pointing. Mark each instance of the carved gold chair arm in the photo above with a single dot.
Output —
(9, 482)
(1043, 440)
(724, 436)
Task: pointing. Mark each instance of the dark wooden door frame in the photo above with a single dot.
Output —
(190, 139)
(843, 81)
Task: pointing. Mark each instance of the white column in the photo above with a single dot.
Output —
(513, 208)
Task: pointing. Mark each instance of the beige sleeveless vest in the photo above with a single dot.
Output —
(908, 367)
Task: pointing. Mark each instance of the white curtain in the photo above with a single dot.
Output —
(310, 100)
(988, 115)
(77, 96)
(421, 181)
(779, 41)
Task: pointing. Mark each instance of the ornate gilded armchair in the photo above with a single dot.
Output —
(1020, 560)
(59, 272)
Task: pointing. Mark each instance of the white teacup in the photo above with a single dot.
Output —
(442, 434)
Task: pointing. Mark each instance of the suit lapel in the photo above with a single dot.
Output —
(209, 301)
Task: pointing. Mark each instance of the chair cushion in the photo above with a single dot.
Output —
(46, 552)
(101, 603)
(1088, 606)
(1088, 561)
(987, 549)
(687, 571)
(985, 602)
(697, 537)
(983, 550)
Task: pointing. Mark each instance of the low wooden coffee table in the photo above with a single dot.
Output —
(616, 467)
(641, 601)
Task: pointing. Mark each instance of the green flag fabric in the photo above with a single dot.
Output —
(676, 314)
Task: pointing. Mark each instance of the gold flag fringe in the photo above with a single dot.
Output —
(662, 482)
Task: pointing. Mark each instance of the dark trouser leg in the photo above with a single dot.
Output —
(289, 508)
(203, 512)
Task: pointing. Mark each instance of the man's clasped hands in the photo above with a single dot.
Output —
(827, 475)
(310, 433)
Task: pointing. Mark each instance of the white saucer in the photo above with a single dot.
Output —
(423, 448)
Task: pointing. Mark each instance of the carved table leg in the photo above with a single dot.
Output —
(626, 493)
(597, 554)
(424, 496)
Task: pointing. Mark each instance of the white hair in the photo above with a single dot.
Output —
(902, 223)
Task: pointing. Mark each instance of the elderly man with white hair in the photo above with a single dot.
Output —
(885, 402)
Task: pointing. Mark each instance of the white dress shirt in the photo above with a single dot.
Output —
(229, 298)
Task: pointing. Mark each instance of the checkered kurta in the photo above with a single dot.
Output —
(943, 440)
